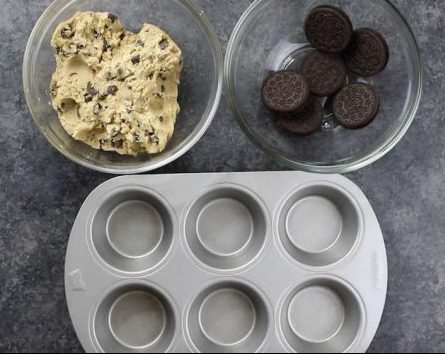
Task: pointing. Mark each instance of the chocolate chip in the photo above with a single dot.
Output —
(122, 36)
(161, 119)
(163, 44)
(106, 46)
(112, 17)
(97, 108)
(140, 43)
(91, 89)
(154, 139)
(112, 90)
(79, 47)
(96, 33)
(136, 59)
(67, 32)
(88, 98)
(59, 50)
(102, 95)
(118, 144)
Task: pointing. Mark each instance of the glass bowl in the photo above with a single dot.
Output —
(270, 37)
(201, 81)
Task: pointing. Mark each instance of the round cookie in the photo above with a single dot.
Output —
(285, 92)
(326, 73)
(306, 122)
(329, 29)
(356, 105)
(368, 54)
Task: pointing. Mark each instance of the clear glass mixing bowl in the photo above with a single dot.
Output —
(201, 83)
(270, 37)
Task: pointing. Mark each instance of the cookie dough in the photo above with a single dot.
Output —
(113, 89)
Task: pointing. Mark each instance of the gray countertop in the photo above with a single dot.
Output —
(41, 192)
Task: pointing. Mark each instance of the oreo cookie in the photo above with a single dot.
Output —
(285, 92)
(305, 122)
(329, 29)
(368, 54)
(325, 73)
(356, 105)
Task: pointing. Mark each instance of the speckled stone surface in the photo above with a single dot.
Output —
(41, 192)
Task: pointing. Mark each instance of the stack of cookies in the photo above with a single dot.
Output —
(339, 50)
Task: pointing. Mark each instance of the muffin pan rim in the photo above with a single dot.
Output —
(144, 190)
(125, 283)
(281, 211)
(223, 283)
(305, 284)
(250, 194)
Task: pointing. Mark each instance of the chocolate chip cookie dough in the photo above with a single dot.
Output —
(115, 90)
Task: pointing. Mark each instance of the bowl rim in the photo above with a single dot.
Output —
(193, 138)
(325, 168)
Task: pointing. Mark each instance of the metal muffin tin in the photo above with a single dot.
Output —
(239, 262)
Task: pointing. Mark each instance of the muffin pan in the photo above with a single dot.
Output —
(224, 263)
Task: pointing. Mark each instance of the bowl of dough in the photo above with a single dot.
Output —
(123, 87)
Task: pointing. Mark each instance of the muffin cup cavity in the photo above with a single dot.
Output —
(319, 225)
(226, 228)
(322, 315)
(135, 318)
(132, 230)
(228, 317)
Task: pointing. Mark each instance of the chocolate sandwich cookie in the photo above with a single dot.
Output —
(368, 54)
(329, 29)
(285, 92)
(305, 122)
(325, 73)
(356, 105)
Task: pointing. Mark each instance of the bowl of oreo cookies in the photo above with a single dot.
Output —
(324, 86)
